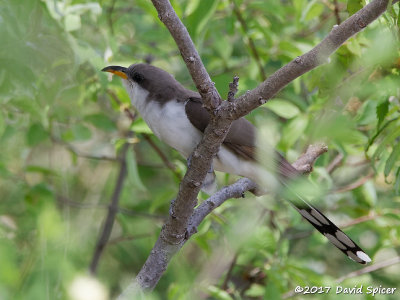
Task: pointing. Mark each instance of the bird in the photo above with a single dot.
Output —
(176, 115)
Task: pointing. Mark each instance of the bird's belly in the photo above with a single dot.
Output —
(170, 124)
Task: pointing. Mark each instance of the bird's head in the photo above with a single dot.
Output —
(160, 85)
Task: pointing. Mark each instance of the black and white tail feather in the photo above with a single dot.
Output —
(286, 173)
(326, 227)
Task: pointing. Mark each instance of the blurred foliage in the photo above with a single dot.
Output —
(62, 123)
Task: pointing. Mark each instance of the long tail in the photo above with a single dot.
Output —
(317, 219)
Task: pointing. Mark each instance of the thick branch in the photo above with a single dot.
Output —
(174, 231)
(162, 251)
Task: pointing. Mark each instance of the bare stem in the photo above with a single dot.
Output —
(112, 212)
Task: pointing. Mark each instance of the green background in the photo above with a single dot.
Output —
(61, 129)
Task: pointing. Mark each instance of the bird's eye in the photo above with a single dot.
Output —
(138, 77)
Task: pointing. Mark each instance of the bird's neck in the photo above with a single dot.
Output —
(139, 96)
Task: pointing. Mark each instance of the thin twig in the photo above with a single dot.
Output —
(354, 185)
(128, 238)
(372, 268)
(360, 220)
(369, 269)
(305, 162)
(163, 157)
(131, 115)
(233, 89)
(324, 18)
(334, 163)
(79, 153)
(252, 45)
(129, 212)
(229, 273)
(112, 211)
(110, 11)
(336, 12)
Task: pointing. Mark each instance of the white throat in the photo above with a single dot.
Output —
(168, 121)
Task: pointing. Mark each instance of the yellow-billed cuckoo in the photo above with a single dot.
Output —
(177, 117)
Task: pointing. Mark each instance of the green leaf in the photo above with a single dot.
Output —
(200, 16)
(36, 134)
(272, 291)
(292, 132)
(40, 193)
(386, 141)
(313, 10)
(4, 172)
(218, 294)
(72, 22)
(133, 174)
(354, 47)
(80, 132)
(39, 169)
(101, 121)
(354, 5)
(256, 290)
(367, 113)
(283, 108)
(2, 124)
(392, 159)
(381, 112)
(397, 184)
(140, 126)
(92, 7)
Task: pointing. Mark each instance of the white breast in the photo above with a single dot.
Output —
(168, 121)
(171, 125)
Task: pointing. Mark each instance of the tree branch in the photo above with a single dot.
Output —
(162, 251)
(112, 211)
(305, 162)
(334, 163)
(308, 61)
(174, 231)
(354, 185)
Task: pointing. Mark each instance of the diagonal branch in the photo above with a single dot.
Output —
(310, 60)
(162, 251)
(372, 268)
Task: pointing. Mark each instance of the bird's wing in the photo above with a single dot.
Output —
(241, 137)
(241, 140)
